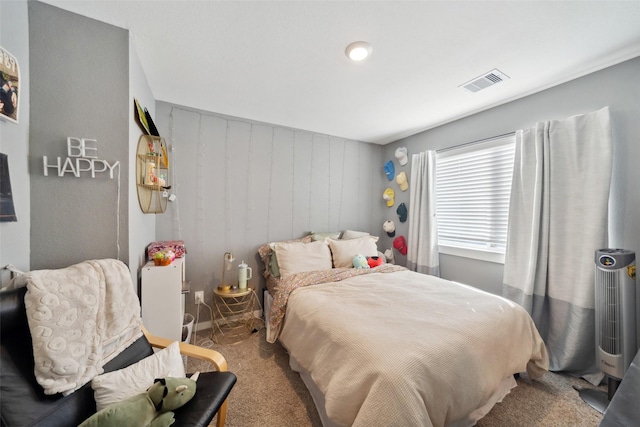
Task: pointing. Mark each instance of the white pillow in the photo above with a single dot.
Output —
(343, 251)
(297, 257)
(322, 236)
(351, 234)
(137, 378)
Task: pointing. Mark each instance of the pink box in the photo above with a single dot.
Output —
(177, 246)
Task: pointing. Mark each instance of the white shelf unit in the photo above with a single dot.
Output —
(163, 295)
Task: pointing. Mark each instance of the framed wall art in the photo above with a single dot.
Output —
(7, 211)
(9, 86)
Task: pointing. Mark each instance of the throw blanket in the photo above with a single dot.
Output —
(295, 281)
(80, 318)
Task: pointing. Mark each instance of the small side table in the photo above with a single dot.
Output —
(233, 318)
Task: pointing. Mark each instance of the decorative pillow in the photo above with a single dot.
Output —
(269, 258)
(265, 253)
(137, 378)
(298, 257)
(274, 269)
(343, 251)
(350, 234)
(321, 236)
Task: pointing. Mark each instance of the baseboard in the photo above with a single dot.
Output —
(202, 325)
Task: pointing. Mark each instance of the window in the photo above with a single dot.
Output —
(473, 188)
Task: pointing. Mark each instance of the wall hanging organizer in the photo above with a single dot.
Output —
(152, 174)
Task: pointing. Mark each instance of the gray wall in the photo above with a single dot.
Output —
(617, 87)
(142, 227)
(240, 184)
(14, 141)
(390, 212)
(79, 74)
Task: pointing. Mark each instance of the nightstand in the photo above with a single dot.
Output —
(233, 318)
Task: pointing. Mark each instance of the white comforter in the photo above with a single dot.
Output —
(406, 349)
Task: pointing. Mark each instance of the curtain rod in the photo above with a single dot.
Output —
(442, 150)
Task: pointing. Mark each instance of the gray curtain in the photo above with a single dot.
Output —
(557, 219)
(422, 244)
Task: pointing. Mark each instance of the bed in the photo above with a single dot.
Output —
(390, 347)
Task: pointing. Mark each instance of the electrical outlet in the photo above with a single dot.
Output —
(199, 297)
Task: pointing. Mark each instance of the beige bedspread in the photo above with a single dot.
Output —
(289, 284)
(406, 349)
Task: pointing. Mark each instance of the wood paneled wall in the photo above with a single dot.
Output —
(240, 184)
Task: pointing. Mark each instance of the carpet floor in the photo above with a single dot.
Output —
(269, 393)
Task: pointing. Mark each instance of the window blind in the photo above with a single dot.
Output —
(473, 189)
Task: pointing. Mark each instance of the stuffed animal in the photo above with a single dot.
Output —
(375, 261)
(152, 408)
(360, 261)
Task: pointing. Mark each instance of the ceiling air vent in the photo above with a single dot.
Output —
(488, 79)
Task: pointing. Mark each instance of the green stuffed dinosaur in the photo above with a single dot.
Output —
(150, 409)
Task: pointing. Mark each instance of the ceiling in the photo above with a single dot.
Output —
(283, 62)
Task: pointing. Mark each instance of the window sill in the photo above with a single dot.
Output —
(496, 257)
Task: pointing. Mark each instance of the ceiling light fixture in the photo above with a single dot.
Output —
(357, 51)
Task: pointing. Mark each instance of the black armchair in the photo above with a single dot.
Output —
(23, 402)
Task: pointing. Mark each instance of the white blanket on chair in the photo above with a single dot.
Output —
(80, 318)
